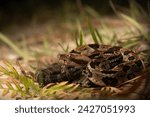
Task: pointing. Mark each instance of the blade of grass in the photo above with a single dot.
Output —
(81, 39)
(5, 92)
(113, 40)
(133, 9)
(14, 94)
(92, 12)
(136, 10)
(12, 45)
(99, 36)
(25, 48)
(19, 88)
(4, 70)
(12, 69)
(66, 50)
(8, 84)
(23, 84)
(21, 68)
(130, 43)
(92, 31)
(133, 22)
(58, 86)
(95, 14)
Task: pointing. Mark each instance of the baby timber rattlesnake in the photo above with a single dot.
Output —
(93, 65)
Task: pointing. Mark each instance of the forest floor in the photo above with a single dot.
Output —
(41, 41)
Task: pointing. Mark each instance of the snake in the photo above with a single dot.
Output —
(93, 65)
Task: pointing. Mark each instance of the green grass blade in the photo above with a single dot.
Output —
(4, 70)
(9, 85)
(58, 86)
(133, 22)
(92, 31)
(5, 92)
(12, 45)
(136, 10)
(99, 36)
(92, 12)
(17, 85)
(12, 69)
(81, 38)
(130, 43)
(66, 50)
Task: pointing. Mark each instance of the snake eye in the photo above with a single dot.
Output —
(131, 58)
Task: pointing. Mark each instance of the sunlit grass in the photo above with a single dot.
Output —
(20, 84)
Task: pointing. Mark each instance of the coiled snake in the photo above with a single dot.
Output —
(94, 65)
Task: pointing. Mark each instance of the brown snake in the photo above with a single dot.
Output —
(94, 65)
